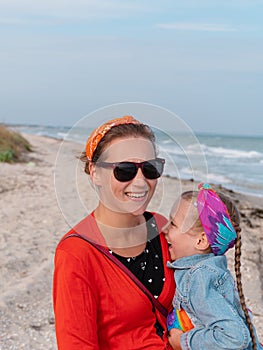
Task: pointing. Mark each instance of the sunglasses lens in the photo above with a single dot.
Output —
(125, 171)
(153, 169)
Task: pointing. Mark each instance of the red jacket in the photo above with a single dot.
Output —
(97, 306)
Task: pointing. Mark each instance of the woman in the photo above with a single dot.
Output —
(112, 288)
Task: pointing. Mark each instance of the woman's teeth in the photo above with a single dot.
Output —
(136, 195)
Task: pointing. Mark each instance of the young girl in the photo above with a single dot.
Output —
(208, 312)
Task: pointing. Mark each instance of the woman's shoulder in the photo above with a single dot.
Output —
(72, 247)
(78, 240)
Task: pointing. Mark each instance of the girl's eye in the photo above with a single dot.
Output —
(173, 224)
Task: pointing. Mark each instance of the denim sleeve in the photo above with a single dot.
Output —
(219, 325)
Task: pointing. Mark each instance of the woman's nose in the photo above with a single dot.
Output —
(139, 175)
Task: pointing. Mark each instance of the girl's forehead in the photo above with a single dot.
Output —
(184, 212)
(179, 207)
(129, 148)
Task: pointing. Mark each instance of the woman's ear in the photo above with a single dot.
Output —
(94, 174)
(202, 242)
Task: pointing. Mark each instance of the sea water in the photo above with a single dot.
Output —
(236, 162)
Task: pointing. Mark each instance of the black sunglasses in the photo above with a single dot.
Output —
(126, 171)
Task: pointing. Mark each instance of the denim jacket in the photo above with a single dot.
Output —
(205, 289)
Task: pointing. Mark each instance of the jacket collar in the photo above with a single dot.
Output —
(188, 261)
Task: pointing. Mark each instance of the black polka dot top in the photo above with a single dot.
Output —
(148, 266)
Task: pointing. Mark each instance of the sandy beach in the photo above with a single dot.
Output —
(33, 221)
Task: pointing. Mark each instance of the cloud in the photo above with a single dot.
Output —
(15, 11)
(202, 27)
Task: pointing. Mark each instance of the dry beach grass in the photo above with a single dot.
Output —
(13, 145)
(32, 224)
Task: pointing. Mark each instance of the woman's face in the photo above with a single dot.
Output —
(125, 197)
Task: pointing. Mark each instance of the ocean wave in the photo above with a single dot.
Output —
(186, 173)
(62, 135)
(173, 151)
(236, 163)
(226, 152)
(212, 151)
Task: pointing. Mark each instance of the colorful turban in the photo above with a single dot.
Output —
(215, 220)
(101, 131)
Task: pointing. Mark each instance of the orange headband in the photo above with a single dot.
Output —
(101, 131)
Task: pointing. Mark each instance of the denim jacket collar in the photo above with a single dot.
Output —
(188, 262)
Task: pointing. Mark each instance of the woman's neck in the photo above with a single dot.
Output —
(124, 233)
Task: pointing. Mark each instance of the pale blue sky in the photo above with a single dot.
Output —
(203, 60)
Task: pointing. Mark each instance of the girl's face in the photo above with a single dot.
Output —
(179, 232)
(125, 197)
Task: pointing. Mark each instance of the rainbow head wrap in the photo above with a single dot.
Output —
(101, 131)
(215, 220)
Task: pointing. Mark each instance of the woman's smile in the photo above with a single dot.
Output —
(137, 196)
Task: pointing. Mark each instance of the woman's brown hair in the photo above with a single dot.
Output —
(119, 131)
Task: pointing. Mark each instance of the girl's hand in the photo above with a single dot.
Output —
(174, 338)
